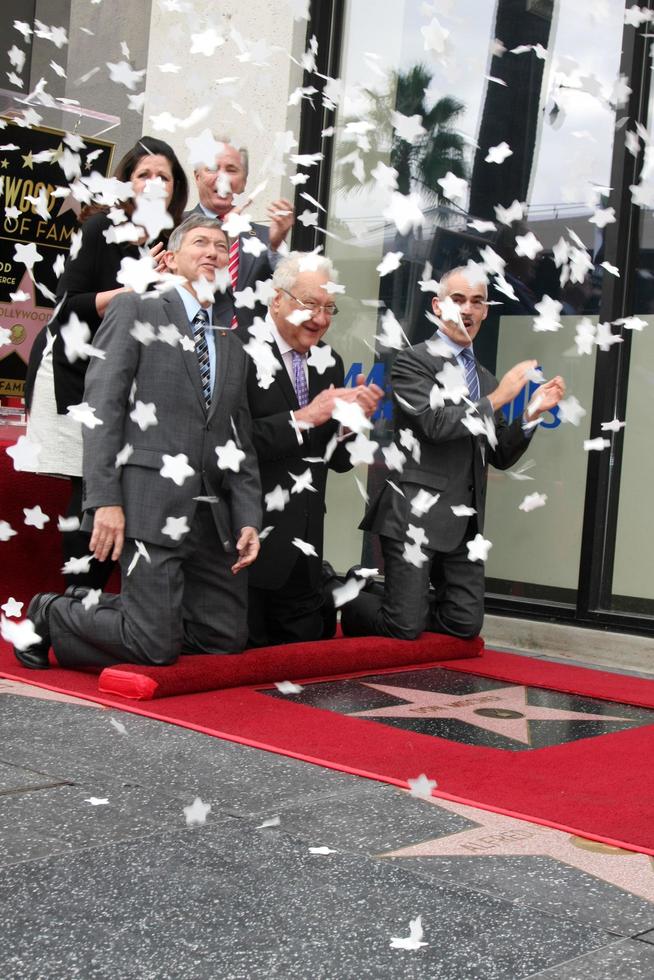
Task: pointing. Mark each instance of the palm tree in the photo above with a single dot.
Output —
(419, 164)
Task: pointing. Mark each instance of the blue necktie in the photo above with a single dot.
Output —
(200, 321)
(470, 368)
(300, 381)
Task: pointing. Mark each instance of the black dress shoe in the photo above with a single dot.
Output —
(76, 591)
(36, 656)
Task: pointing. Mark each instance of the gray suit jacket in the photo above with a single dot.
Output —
(169, 377)
(452, 463)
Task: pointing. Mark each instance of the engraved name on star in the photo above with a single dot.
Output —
(504, 710)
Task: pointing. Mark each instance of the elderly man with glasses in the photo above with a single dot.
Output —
(292, 392)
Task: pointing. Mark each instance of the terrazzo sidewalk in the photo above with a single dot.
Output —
(125, 889)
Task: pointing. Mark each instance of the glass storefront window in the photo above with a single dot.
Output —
(554, 105)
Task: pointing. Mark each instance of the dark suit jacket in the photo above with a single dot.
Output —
(92, 271)
(280, 454)
(169, 377)
(251, 269)
(452, 463)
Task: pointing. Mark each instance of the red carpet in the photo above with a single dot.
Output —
(329, 658)
(596, 787)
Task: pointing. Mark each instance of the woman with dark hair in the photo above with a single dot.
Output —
(86, 287)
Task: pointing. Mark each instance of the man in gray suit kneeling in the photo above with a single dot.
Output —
(171, 483)
(427, 521)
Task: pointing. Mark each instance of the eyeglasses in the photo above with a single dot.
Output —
(330, 309)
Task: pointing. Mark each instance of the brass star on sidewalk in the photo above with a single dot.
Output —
(504, 710)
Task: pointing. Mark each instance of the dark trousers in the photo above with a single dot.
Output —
(184, 599)
(76, 544)
(292, 613)
(406, 609)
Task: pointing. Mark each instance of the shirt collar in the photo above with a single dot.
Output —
(284, 346)
(456, 348)
(207, 212)
(191, 304)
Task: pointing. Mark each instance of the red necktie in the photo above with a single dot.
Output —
(233, 271)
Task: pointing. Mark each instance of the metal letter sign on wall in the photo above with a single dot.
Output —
(47, 221)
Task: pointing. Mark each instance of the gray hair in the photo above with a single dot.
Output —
(193, 221)
(242, 151)
(286, 274)
(473, 272)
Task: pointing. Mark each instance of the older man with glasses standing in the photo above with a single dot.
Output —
(297, 441)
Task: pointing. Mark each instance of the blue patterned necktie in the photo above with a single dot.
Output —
(200, 321)
(470, 368)
(300, 381)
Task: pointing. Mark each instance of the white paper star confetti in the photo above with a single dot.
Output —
(506, 216)
(532, 501)
(454, 188)
(305, 547)
(462, 510)
(394, 458)
(422, 786)
(549, 313)
(321, 850)
(85, 414)
(350, 415)
(631, 323)
(274, 821)
(20, 635)
(175, 527)
(28, 254)
(499, 153)
(25, 454)
(229, 456)
(97, 801)
(141, 552)
(392, 335)
(404, 212)
(362, 450)
(118, 725)
(345, 593)
(206, 42)
(596, 445)
(613, 426)
(321, 358)
(12, 607)
(77, 566)
(414, 940)
(144, 414)
(137, 273)
(408, 128)
(92, 598)
(389, 263)
(286, 687)
(423, 501)
(571, 411)
(65, 524)
(478, 548)
(176, 468)
(34, 517)
(302, 482)
(528, 245)
(196, 814)
(123, 73)
(277, 498)
(414, 555)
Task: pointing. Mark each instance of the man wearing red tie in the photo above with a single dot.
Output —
(254, 254)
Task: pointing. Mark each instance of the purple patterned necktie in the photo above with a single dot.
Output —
(470, 368)
(299, 379)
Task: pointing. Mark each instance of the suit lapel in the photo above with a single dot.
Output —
(285, 383)
(221, 346)
(176, 313)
